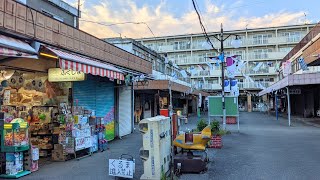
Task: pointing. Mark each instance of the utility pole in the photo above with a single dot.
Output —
(222, 79)
(78, 26)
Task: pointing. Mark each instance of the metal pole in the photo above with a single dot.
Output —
(78, 26)
(222, 79)
(276, 103)
(289, 107)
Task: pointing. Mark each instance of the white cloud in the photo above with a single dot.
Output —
(163, 22)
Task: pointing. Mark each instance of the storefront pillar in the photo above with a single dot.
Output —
(249, 102)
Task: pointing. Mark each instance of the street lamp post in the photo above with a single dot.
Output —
(236, 44)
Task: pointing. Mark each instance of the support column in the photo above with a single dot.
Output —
(249, 102)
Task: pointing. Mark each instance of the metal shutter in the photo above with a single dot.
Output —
(97, 93)
(125, 111)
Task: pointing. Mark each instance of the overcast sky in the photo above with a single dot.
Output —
(171, 17)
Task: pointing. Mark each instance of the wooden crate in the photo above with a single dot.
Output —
(9, 22)
(40, 33)
(40, 19)
(10, 7)
(21, 25)
(48, 23)
(21, 11)
(30, 29)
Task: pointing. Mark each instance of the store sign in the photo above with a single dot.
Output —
(80, 143)
(295, 91)
(121, 168)
(59, 75)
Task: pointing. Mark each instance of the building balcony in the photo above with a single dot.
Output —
(265, 56)
(261, 71)
(208, 87)
(253, 85)
(160, 76)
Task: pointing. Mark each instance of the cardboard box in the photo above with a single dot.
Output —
(57, 155)
(58, 147)
(35, 153)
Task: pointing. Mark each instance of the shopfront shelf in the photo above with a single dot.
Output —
(14, 148)
(18, 175)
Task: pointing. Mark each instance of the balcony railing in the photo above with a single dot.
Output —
(265, 56)
(253, 85)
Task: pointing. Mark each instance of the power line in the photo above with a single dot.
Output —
(202, 26)
(122, 23)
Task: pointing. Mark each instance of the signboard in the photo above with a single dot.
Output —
(59, 75)
(80, 143)
(295, 91)
(121, 168)
(286, 68)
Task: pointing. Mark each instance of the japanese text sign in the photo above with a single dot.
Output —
(121, 168)
(59, 75)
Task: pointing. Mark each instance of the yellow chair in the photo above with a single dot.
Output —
(199, 140)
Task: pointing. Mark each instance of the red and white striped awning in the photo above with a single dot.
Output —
(68, 60)
(13, 53)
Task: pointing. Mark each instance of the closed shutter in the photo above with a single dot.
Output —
(97, 93)
(125, 111)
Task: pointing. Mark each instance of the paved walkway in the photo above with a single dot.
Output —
(265, 149)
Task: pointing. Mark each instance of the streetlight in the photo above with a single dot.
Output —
(236, 43)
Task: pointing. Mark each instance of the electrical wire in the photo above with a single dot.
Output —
(202, 26)
(122, 23)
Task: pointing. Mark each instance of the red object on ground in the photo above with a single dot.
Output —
(164, 112)
(175, 127)
(215, 142)
(231, 120)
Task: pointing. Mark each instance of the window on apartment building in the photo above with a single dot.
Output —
(261, 38)
(294, 36)
(261, 53)
(285, 49)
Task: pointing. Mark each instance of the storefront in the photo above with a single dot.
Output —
(65, 103)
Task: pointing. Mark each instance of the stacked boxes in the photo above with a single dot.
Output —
(59, 154)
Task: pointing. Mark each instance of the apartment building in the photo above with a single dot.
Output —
(161, 70)
(263, 49)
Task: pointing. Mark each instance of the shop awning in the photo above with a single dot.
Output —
(293, 80)
(11, 47)
(68, 60)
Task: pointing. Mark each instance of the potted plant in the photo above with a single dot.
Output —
(201, 125)
(216, 139)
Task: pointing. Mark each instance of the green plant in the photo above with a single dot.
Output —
(201, 125)
(215, 127)
(223, 132)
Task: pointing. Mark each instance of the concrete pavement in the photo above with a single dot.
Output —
(264, 149)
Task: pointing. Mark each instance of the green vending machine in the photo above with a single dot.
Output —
(14, 142)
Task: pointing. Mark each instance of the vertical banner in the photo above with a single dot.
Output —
(226, 85)
(234, 87)
(286, 68)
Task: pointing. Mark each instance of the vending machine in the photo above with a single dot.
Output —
(156, 149)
